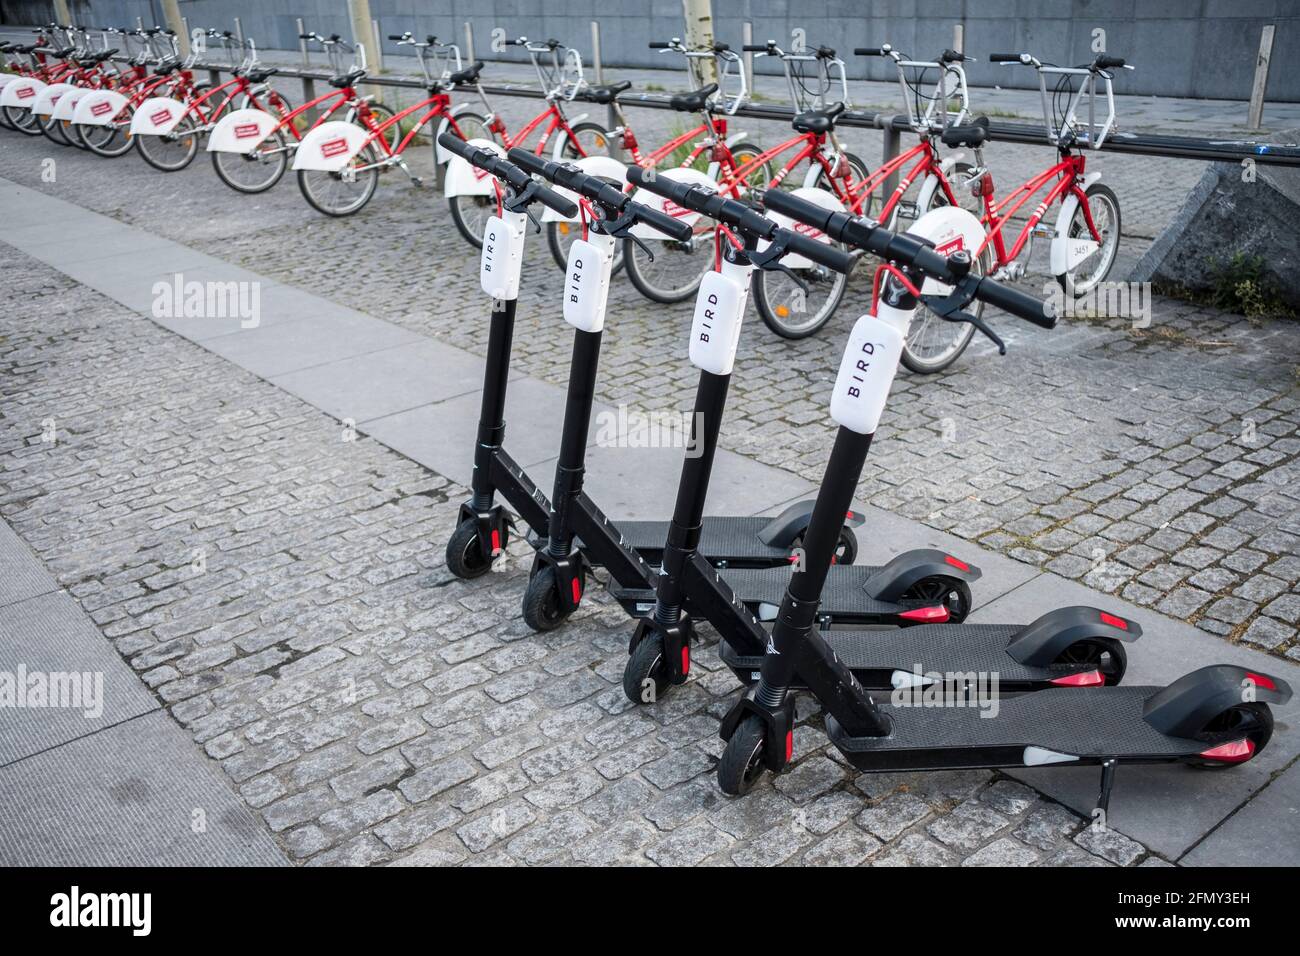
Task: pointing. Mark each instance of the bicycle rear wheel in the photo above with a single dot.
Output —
(256, 171)
(112, 140)
(345, 192)
(173, 151)
(23, 120)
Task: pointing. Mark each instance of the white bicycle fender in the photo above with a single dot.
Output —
(557, 148)
(241, 131)
(677, 174)
(329, 147)
(99, 108)
(440, 152)
(47, 98)
(20, 91)
(462, 179)
(5, 79)
(157, 116)
(606, 167)
(66, 104)
(1066, 252)
(951, 229)
(819, 197)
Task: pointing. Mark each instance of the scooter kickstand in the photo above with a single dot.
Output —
(1107, 783)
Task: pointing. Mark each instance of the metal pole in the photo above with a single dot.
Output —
(362, 27)
(1261, 77)
(139, 23)
(959, 37)
(239, 31)
(889, 151)
(469, 42)
(379, 50)
(61, 12)
(596, 65)
(747, 38)
(303, 52)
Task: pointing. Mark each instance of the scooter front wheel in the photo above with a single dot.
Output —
(465, 557)
(741, 765)
(645, 680)
(543, 609)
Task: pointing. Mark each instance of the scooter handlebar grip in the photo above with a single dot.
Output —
(660, 45)
(800, 210)
(1018, 303)
(704, 201)
(820, 252)
(868, 51)
(1004, 58)
(515, 177)
(663, 222)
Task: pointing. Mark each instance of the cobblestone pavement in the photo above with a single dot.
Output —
(283, 592)
(1159, 464)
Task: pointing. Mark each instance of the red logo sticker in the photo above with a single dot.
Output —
(160, 117)
(674, 210)
(806, 230)
(335, 147)
(246, 130)
(956, 244)
(99, 109)
(26, 92)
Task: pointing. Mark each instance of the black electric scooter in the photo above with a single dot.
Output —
(1213, 717)
(1072, 646)
(916, 587)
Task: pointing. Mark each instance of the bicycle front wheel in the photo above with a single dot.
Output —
(671, 271)
(1088, 274)
(172, 151)
(254, 172)
(109, 141)
(793, 311)
(345, 192)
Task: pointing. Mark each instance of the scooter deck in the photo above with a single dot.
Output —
(1064, 725)
(934, 649)
(844, 596)
(731, 538)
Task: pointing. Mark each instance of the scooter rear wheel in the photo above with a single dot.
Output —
(465, 557)
(1255, 719)
(1107, 654)
(952, 593)
(741, 765)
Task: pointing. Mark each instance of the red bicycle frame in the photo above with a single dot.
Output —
(997, 214)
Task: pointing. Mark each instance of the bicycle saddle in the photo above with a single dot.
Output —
(972, 134)
(467, 75)
(605, 94)
(813, 121)
(166, 66)
(260, 76)
(696, 101)
(347, 79)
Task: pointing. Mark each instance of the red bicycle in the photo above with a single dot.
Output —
(339, 163)
(471, 193)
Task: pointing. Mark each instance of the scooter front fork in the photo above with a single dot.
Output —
(493, 524)
(674, 630)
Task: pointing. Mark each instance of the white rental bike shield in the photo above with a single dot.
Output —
(157, 116)
(1068, 251)
(67, 103)
(819, 197)
(605, 167)
(46, 99)
(465, 180)
(20, 92)
(692, 177)
(99, 108)
(241, 131)
(330, 147)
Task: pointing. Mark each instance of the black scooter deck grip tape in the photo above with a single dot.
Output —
(819, 252)
(1018, 303)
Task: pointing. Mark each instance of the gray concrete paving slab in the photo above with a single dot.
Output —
(1265, 832)
(47, 636)
(136, 794)
(303, 343)
(22, 575)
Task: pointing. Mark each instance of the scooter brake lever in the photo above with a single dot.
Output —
(952, 308)
(770, 260)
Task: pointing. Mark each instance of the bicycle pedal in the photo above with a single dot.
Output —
(417, 181)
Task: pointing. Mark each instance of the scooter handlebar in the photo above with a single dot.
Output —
(599, 191)
(909, 250)
(508, 172)
(830, 256)
(705, 201)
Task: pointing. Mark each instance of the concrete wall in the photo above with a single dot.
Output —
(1200, 48)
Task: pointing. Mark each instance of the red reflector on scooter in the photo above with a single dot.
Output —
(848, 516)
(956, 563)
(686, 661)
(1086, 679)
(1114, 621)
(496, 541)
(577, 590)
(789, 745)
(1259, 680)
(930, 615)
(1238, 751)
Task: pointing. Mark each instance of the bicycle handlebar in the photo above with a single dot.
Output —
(741, 217)
(909, 250)
(1004, 58)
(605, 194)
(508, 172)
